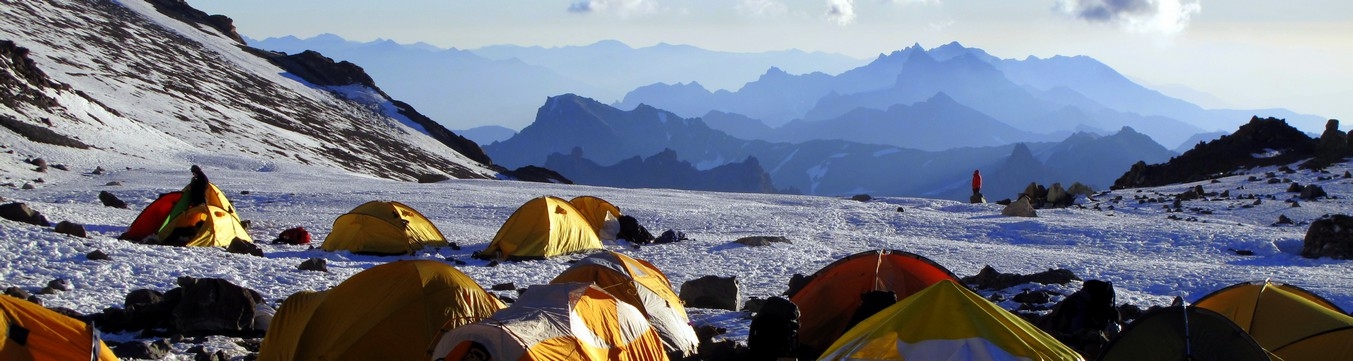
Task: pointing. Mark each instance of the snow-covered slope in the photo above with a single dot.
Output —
(1148, 256)
(146, 82)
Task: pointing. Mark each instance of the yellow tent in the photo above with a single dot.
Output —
(946, 321)
(214, 227)
(380, 227)
(1286, 320)
(566, 321)
(543, 227)
(643, 286)
(594, 210)
(388, 312)
(29, 332)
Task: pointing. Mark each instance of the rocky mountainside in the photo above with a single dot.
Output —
(1261, 142)
(664, 170)
(162, 82)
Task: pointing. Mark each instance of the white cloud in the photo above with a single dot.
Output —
(762, 8)
(841, 12)
(624, 8)
(1167, 17)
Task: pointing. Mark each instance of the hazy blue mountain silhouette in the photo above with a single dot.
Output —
(663, 170)
(487, 134)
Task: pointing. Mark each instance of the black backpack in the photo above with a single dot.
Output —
(774, 332)
(630, 230)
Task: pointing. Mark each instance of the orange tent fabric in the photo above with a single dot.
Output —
(1286, 320)
(831, 296)
(29, 332)
(642, 285)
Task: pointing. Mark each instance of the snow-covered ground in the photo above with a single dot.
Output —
(1149, 257)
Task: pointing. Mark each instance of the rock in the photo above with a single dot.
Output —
(976, 198)
(144, 350)
(758, 241)
(1312, 192)
(504, 287)
(98, 171)
(213, 306)
(200, 354)
(74, 229)
(432, 178)
(18, 293)
(1330, 236)
(1282, 219)
(97, 255)
(113, 183)
(1294, 187)
(61, 167)
(314, 264)
(711, 292)
(60, 284)
(1035, 297)
(901, 210)
(1058, 197)
(28, 186)
(1020, 208)
(989, 279)
(861, 197)
(244, 247)
(110, 200)
(19, 212)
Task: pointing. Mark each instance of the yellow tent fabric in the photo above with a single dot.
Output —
(565, 321)
(543, 227)
(640, 284)
(946, 321)
(216, 226)
(388, 312)
(383, 227)
(594, 210)
(1286, 320)
(29, 332)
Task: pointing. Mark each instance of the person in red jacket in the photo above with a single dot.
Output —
(976, 182)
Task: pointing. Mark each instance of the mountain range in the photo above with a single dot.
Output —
(586, 129)
(500, 84)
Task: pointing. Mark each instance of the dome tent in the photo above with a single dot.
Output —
(643, 286)
(390, 311)
(383, 227)
(1183, 333)
(1286, 320)
(30, 332)
(543, 227)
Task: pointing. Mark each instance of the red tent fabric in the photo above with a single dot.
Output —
(151, 218)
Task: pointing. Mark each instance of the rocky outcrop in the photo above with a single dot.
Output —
(1332, 147)
(1330, 236)
(664, 170)
(180, 10)
(1261, 142)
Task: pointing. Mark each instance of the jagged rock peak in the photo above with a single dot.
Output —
(179, 9)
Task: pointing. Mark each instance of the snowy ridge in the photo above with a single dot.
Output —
(175, 92)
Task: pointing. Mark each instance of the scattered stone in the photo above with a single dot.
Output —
(758, 241)
(110, 200)
(113, 183)
(711, 292)
(38, 162)
(861, 197)
(71, 228)
(977, 198)
(1241, 252)
(244, 247)
(97, 255)
(504, 287)
(19, 212)
(753, 304)
(27, 186)
(1294, 187)
(1296, 204)
(145, 350)
(1348, 174)
(18, 293)
(432, 178)
(245, 192)
(1020, 208)
(98, 171)
(989, 279)
(200, 354)
(314, 264)
(1312, 192)
(901, 210)
(1035, 297)
(61, 167)
(1282, 219)
(60, 284)
(1330, 236)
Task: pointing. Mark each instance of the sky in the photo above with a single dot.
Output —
(1245, 53)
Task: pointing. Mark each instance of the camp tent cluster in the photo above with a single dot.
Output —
(213, 223)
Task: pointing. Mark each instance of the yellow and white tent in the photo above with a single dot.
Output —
(946, 321)
(388, 312)
(29, 332)
(640, 284)
(565, 321)
(379, 227)
(598, 212)
(1286, 320)
(541, 228)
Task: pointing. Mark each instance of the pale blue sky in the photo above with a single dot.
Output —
(1295, 54)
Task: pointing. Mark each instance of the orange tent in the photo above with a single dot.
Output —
(1288, 321)
(152, 218)
(29, 332)
(831, 296)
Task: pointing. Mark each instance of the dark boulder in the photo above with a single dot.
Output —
(1330, 236)
(213, 306)
(314, 264)
(758, 241)
(989, 279)
(110, 200)
(19, 212)
(861, 197)
(1207, 160)
(711, 292)
(432, 178)
(74, 229)
(244, 247)
(1312, 192)
(142, 350)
